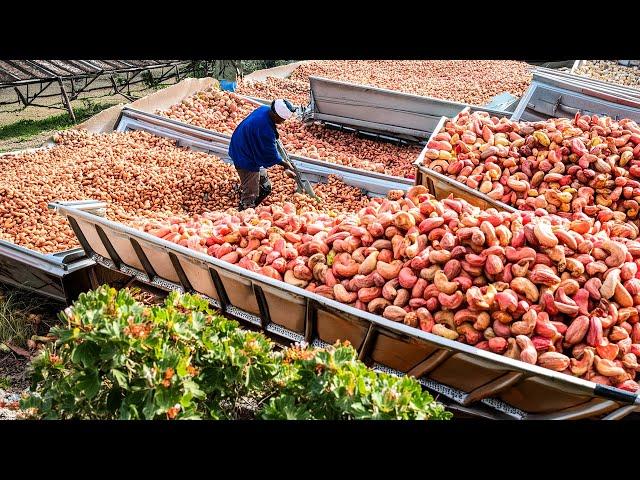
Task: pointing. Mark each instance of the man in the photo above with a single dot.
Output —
(253, 150)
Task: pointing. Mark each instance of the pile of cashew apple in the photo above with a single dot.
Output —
(555, 291)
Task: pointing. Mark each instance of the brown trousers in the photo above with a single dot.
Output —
(254, 187)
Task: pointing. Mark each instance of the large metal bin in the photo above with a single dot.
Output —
(490, 385)
(380, 110)
(540, 94)
(152, 117)
(61, 276)
(553, 94)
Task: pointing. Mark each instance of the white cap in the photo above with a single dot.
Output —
(282, 109)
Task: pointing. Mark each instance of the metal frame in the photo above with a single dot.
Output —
(619, 89)
(441, 365)
(66, 74)
(550, 96)
(380, 110)
(58, 276)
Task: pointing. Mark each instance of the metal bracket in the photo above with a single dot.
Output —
(146, 264)
(184, 281)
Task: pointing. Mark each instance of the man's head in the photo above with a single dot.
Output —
(281, 110)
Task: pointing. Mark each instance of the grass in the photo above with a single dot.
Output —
(21, 314)
(5, 383)
(15, 326)
(25, 129)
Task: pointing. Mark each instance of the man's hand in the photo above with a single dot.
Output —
(288, 169)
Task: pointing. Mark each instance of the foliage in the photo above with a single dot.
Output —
(5, 383)
(332, 384)
(116, 358)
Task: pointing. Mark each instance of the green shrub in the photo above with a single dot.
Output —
(116, 358)
(332, 384)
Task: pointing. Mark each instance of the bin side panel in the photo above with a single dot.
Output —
(199, 277)
(285, 309)
(399, 353)
(240, 292)
(331, 327)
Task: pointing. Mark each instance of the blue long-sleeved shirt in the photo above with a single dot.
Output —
(253, 143)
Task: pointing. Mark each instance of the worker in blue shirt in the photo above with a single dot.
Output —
(253, 150)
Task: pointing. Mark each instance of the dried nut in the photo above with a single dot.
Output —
(369, 264)
(577, 330)
(525, 287)
(378, 305)
(544, 234)
(594, 335)
(513, 350)
(389, 270)
(525, 326)
(610, 283)
(497, 344)
(443, 284)
(581, 366)
(394, 313)
(340, 293)
(451, 302)
(411, 319)
(366, 295)
(442, 331)
(425, 320)
(528, 353)
(608, 351)
(402, 298)
(607, 368)
(554, 361)
(291, 279)
(471, 335)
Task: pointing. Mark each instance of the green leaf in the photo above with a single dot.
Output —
(192, 387)
(89, 384)
(165, 399)
(86, 353)
(114, 399)
(149, 410)
(181, 368)
(120, 377)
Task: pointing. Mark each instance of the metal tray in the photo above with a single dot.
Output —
(441, 186)
(634, 92)
(380, 110)
(609, 90)
(553, 96)
(61, 276)
(462, 373)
